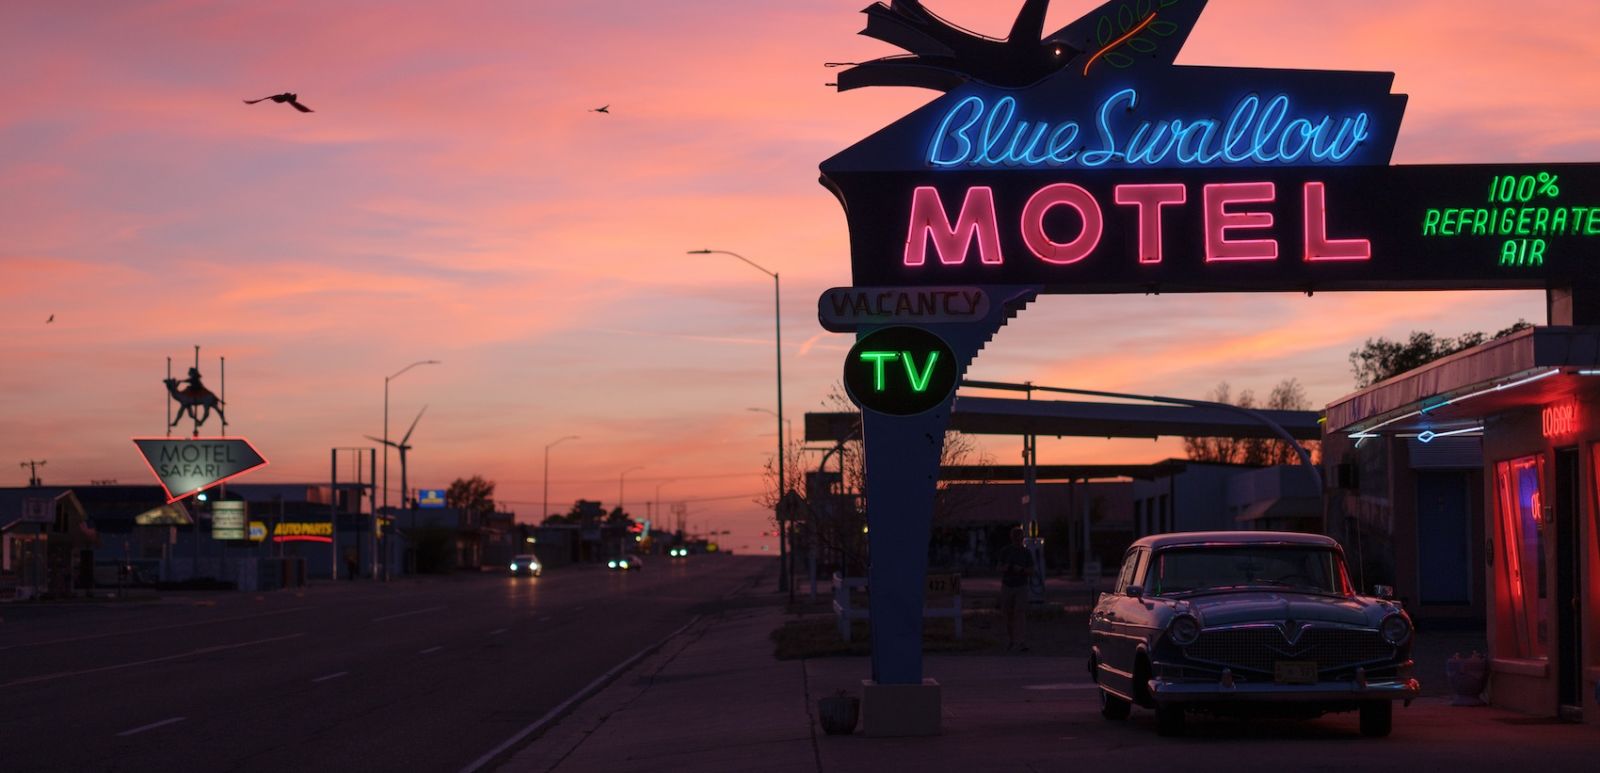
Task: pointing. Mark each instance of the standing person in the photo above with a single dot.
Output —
(352, 564)
(1016, 567)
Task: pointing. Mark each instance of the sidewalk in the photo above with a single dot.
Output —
(713, 699)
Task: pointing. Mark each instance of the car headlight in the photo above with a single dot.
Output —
(611, 564)
(624, 564)
(1184, 630)
(1395, 629)
(513, 567)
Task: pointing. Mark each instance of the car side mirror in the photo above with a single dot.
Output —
(1136, 591)
(1383, 591)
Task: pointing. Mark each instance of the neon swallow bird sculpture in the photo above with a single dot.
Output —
(1117, 35)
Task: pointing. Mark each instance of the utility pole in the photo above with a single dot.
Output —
(33, 466)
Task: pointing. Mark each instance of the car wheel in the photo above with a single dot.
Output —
(1169, 720)
(1113, 707)
(1377, 719)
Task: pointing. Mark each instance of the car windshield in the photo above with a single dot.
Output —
(1198, 568)
(521, 558)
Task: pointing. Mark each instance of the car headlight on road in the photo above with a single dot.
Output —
(1184, 630)
(623, 565)
(1395, 629)
(611, 564)
(513, 567)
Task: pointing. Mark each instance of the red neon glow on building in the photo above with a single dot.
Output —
(1219, 221)
(1561, 419)
(1318, 245)
(1058, 195)
(301, 538)
(1150, 199)
(976, 221)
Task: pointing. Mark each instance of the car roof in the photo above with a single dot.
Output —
(1193, 538)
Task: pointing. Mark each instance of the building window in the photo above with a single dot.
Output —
(1520, 505)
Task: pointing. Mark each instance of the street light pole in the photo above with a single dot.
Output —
(548, 446)
(386, 381)
(783, 481)
(622, 481)
(656, 508)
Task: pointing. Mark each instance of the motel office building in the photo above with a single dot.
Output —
(1472, 485)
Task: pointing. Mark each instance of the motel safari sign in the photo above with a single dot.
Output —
(186, 466)
(1118, 171)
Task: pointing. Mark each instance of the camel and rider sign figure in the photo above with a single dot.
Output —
(194, 395)
(187, 466)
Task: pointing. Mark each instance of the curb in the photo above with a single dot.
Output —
(515, 743)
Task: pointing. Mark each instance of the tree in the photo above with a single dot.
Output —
(1221, 450)
(474, 496)
(838, 518)
(1381, 358)
(1288, 395)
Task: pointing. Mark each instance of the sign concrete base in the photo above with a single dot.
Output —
(899, 710)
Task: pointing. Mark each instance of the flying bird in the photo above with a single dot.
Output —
(286, 97)
(51, 319)
(602, 109)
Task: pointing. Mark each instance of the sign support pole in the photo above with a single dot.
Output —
(902, 456)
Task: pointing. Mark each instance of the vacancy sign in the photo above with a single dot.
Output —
(189, 465)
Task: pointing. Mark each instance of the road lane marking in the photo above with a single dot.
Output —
(430, 650)
(405, 614)
(497, 632)
(1062, 686)
(558, 712)
(334, 675)
(149, 630)
(179, 656)
(151, 726)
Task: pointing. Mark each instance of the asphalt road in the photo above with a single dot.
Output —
(414, 675)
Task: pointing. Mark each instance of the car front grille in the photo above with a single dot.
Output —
(1256, 648)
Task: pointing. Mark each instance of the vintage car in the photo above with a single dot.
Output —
(1247, 622)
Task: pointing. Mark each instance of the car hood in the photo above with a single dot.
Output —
(1237, 607)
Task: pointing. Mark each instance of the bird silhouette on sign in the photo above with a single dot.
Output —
(289, 98)
(944, 56)
(602, 109)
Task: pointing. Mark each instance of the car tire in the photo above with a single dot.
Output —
(1377, 719)
(1169, 720)
(1113, 707)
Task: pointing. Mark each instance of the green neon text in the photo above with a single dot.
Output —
(1512, 221)
(919, 381)
(878, 359)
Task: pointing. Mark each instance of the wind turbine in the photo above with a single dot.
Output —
(403, 447)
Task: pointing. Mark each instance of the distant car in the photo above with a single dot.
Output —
(626, 563)
(678, 552)
(1247, 622)
(526, 563)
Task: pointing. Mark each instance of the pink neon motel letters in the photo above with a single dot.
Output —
(1231, 211)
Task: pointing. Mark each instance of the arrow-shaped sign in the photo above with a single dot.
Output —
(189, 465)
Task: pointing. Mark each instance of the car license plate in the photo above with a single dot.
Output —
(1294, 671)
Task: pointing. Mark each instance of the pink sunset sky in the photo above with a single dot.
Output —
(452, 198)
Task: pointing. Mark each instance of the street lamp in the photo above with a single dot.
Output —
(622, 481)
(783, 482)
(789, 423)
(548, 446)
(655, 511)
(386, 381)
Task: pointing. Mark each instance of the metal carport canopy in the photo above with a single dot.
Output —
(1063, 418)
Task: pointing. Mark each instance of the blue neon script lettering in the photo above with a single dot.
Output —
(1259, 131)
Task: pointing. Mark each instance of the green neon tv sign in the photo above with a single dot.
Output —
(900, 371)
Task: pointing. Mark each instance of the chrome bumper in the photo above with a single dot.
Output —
(1189, 691)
